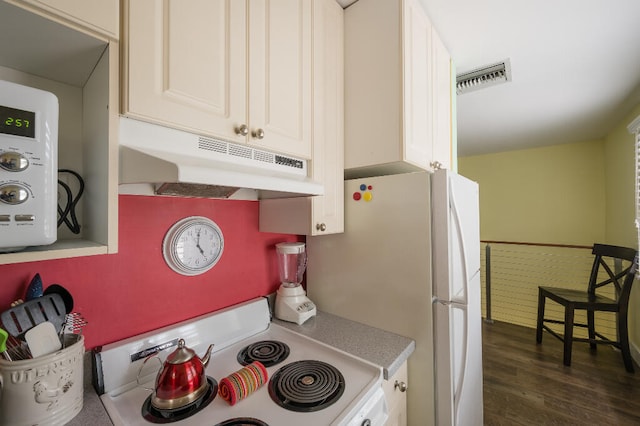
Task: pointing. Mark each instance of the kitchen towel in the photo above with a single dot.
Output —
(243, 382)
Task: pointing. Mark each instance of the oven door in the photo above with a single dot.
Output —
(373, 413)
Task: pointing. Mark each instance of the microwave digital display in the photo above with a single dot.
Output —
(17, 122)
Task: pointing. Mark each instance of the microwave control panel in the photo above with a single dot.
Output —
(28, 166)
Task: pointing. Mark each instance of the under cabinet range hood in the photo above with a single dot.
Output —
(180, 163)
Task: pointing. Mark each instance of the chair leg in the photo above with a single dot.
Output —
(623, 331)
(568, 333)
(541, 302)
(591, 325)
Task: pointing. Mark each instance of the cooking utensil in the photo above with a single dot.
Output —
(3, 345)
(21, 318)
(73, 324)
(64, 293)
(43, 339)
(34, 290)
(17, 349)
(182, 379)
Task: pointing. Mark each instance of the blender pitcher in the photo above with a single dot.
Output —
(292, 262)
(292, 303)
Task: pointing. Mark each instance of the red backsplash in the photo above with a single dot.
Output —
(134, 291)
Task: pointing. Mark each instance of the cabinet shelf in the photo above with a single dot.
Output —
(81, 69)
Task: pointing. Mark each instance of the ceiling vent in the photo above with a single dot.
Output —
(483, 77)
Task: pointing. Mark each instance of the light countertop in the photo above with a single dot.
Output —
(379, 347)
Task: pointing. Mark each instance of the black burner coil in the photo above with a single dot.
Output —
(268, 352)
(306, 386)
(158, 416)
(243, 421)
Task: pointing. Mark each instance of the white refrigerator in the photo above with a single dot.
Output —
(409, 262)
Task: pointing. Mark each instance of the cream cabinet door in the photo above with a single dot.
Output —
(323, 214)
(418, 92)
(328, 129)
(395, 392)
(394, 108)
(102, 16)
(237, 70)
(185, 64)
(442, 111)
(280, 75)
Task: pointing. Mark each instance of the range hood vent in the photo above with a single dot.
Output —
(480, 78)
(185, 164)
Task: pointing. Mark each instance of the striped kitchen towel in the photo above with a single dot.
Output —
(243, 382)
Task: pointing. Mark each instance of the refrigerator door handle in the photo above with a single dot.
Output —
(459, 304)
(461, 240)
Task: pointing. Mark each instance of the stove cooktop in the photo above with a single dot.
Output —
(362, 383)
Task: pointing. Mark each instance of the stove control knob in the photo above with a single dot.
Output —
(366, 422)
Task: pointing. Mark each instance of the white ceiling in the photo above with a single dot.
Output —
(575, 67)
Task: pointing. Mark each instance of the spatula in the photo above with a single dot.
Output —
(42, 339)
(23, 317)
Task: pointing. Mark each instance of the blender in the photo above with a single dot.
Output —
(292, 303)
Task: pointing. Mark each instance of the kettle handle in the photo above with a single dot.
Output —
(155, 355)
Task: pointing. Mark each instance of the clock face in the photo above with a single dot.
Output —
(193, 245)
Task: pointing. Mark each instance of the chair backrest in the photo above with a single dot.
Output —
(623, 279)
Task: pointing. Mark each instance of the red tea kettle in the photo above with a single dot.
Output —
(182, 379)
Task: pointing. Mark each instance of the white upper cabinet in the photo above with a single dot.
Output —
(328, 118)
(395, 86)
(102, 16)
(323, 214)
(280, 74)
(442, 105)
(237, 70)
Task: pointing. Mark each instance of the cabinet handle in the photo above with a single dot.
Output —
(321, 227)
(436, 165)
(243, 130)
(400, 385)
(258, 134)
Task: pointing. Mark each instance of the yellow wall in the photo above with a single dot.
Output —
(553, 194)
(575, 194)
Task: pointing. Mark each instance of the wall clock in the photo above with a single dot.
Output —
(193, 245)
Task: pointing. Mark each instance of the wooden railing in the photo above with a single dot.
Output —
(512, 271)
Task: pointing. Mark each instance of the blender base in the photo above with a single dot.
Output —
(293, 305)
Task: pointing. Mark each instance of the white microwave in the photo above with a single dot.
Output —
(28, 166)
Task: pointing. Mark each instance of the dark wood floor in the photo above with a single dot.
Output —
(527, 384)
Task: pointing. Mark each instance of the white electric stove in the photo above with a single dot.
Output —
(359, 400)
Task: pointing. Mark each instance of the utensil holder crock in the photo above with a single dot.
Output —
(44, 390)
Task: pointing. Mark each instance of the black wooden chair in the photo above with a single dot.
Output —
(590, 301)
